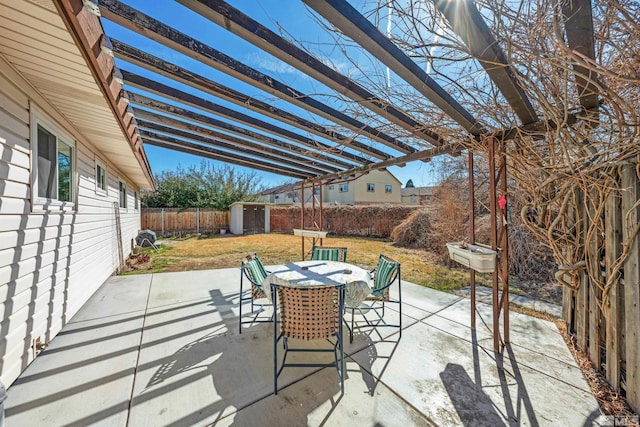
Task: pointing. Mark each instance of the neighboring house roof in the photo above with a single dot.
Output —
(75, 77)
(296, 186)
(418, 191)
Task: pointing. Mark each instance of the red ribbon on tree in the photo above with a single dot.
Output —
(502, 201)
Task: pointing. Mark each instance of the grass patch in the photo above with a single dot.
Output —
(418, 266)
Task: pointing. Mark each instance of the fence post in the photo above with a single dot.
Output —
(197, 221)
(162, 222)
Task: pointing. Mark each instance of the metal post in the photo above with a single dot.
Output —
(321, 212)
(504, 244)
(494, 240)
(302, 215)
(472, 238)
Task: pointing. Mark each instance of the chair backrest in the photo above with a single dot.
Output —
(327, 253)
(386, 272)
(309, 312)
(254, 269)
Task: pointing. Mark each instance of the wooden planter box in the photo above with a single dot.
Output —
(478, 257)
(310, 233)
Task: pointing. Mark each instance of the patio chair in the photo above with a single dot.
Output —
(383, 275)
(253, 270)
(327, 253)
(308, 313)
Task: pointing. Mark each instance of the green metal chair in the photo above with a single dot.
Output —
(384, 275)
(253, 270)
(327, 253)
(308, 313)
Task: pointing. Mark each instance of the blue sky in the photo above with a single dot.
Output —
(291, 17)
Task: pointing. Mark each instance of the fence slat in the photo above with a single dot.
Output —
(630, 195)
(613, 239)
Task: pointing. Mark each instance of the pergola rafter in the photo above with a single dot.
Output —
(252, 31)
(205, 137)
(179, 112)
(166, 141)
(143, 24)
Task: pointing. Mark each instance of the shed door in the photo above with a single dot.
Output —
(253, 219)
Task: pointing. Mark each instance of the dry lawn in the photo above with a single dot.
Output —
(418, 266)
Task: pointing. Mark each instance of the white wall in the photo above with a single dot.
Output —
(50, 262)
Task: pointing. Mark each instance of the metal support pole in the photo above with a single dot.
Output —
(321, 212)
(494, 240)
(472, 238)
(504, 243)
(302, 214)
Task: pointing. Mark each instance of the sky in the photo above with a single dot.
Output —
(290, 17)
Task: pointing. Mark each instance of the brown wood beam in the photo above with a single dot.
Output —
(424, 155)
(169, 92)
(181, 113)
(252, 31)
(143, 24)
(579, 30)
(306, 161)
(84, 28)
(182, 75)
(165, 141)
(204, 136)
(353, 24)
(466, 21)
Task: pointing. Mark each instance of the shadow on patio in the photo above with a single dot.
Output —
(164, 349)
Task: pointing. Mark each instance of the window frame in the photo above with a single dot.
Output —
(344, 188)
(136, 201)
(37, 120)
(388, 189)
(122, 190)
(99, 190)
(371, 187)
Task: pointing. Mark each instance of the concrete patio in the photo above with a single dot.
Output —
(164, 350)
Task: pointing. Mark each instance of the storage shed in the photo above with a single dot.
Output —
(249, 218)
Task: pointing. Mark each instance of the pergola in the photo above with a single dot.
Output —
(315, 153)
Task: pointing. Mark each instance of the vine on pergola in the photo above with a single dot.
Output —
(574, 163)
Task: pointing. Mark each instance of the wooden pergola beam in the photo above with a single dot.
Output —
(353, 24)
(181, 113)
(157, 65)
(169, 92)
(466, 21)
(252, 31)
(166, 141)
(87, 32)
(424, 155)
(579, 30)
(147, 26)
(205, 136)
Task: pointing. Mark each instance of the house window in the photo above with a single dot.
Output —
(387, 189)
(122, 188)
(344, 188)
(371, 187)
(331, 187)
(53, 167)
(101, 178)
(136, 202)
(316, 191)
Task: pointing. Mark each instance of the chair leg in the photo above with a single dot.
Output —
(353, 314)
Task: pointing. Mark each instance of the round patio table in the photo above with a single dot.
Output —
(357, 280)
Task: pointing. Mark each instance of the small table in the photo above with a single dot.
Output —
(312, 273)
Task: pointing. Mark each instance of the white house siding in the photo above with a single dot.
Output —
(50, 263)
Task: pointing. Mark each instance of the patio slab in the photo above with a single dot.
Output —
(164, 349)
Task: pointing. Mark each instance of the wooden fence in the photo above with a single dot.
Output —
(182, 222)
(610, 333)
